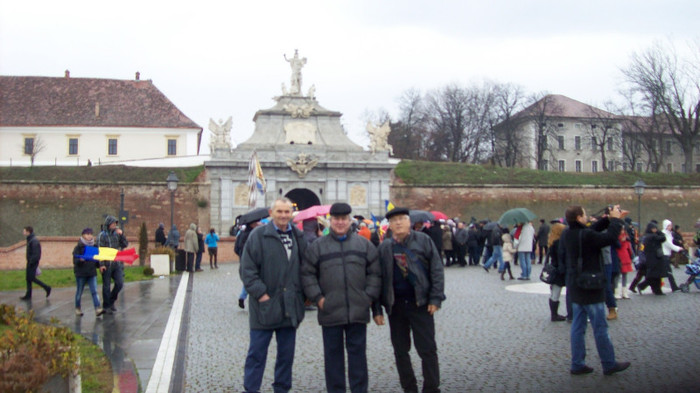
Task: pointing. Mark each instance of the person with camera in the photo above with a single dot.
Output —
(585, 281)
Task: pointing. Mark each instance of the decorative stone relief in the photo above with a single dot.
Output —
(240, 195)
(378, 136)
(221, 134)
(358, 195)
(302, 165)
(300, 132)
(303, 111)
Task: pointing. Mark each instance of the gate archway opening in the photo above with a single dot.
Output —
(303, 198)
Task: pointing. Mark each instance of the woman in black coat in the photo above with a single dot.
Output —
(657, 265)
(560, 277)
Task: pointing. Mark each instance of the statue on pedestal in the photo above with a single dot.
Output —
(296, 63)
(378, 137)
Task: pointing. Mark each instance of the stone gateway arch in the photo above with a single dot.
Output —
(304, 155)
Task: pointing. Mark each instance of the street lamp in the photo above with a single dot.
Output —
(172, 186)
(639, 190)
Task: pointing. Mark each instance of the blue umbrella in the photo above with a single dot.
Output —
(519, 215)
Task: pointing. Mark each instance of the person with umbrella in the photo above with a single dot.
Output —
(248, 222)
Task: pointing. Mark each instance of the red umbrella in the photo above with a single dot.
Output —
(312, 212)
(439, 215)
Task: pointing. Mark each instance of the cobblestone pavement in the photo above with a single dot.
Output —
(493, 336)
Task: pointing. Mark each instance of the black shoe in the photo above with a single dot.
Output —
(48, 292)
(241, 303)
(522, 278)
(485, 268)
(619, 366)
(25, 297)
(584, 370)
(112, 309)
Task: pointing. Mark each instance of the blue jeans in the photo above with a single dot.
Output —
(336, 339)
(244, 294)
(115, 271)
(525, 263)
(596, 313)
(198, 261)
(496, 256)
(92, 284)
(257, 357)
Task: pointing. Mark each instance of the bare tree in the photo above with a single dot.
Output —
(408, 134)
(670, 89)
(506, 148)
(32, 147)
(446, 118)
(604, 131)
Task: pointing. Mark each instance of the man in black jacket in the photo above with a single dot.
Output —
(111, 237)
(580, 247)
(33, 257)
(343, 289)
(413, 288)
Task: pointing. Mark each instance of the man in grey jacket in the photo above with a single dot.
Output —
(270, 271)
(413, 288)
(341, 275)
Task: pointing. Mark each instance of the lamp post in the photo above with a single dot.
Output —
(639, 190)
(172, 186)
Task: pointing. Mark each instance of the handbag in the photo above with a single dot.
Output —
(549, 272)
(38, 271)
(589, 280)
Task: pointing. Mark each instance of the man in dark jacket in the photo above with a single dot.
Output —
(460, 239)
(343, 290)
(112, 237)
(413, 288)
(582, 243)
(270, 270)
(33, 257)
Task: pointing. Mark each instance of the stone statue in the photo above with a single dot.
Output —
(302, 165)
(378, 137)
(312, 92)
(296, 63)
(221, 134)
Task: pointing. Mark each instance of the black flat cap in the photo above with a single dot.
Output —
(340, 209)
(396, 211)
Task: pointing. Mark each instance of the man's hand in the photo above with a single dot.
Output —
(615, 212)
(379, 320)
(321, 302)
(119, 231)
(432, 308)
(263, 298)
(102, 269)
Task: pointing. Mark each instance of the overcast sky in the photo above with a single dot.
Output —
(216, 59)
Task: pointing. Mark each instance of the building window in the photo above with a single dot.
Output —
(112, 147)
(28, 146)
(562, 165)
(611, 165)
(577, 142)
(73, 146)
(172, 147)
(578, 166)
(610, 144)
(594, 143)
(697, 148)
(545, 165)
(668, 147)
(654, 167)
(683, 168)
(669, 168)
(560, 139)
(624, 166)
(594, 166)
(697, 168)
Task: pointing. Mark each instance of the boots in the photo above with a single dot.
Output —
(616, 293)
(503, 273)
(625, 294)
(554, 309)
(612, 313)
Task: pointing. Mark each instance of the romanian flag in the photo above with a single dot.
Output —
(389, 205)
(109, 254)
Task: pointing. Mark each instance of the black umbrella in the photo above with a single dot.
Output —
(420, 216)
(490, 225)
(256, 214)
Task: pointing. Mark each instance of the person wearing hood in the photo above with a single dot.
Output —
(191, 246)
(341, 275)
(173, 238)
(668, 248)
(85, 273)
(112, 237)
(656, 265)
(160, 235)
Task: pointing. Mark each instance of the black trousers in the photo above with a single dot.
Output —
(30, 277)
(189, 258)
(407, 318)
(542, 249)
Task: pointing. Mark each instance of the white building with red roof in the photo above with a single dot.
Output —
(73, 121)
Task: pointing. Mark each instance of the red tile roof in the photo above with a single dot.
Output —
(86, 102)
(557, 105)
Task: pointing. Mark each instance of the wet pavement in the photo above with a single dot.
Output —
(492, 335)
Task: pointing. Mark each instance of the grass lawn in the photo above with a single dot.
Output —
(11, 280)
(115, 173)
(445, 173)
